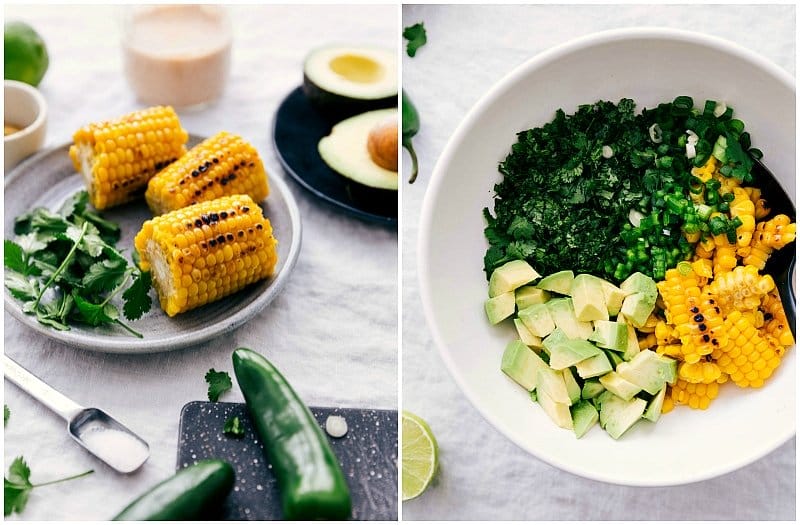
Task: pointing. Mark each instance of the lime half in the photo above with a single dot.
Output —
(420, 455)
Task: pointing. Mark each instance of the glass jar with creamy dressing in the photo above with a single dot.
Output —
(177, 55)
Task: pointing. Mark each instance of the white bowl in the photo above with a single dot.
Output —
(25, 108)
(649, 66)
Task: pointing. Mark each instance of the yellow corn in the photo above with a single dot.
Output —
(696, 395)
(700, 372)
(724, 256)
(669, 404)
(741, 288)
(117, 157)
(769, 235)
(224, 164)
(760, 205)
(748, 358)
(775, 322)
(707, 170)
(647, 342)
(705, 248)
(204, 252)
(743, 207)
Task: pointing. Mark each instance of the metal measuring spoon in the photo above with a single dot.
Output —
(93, 429)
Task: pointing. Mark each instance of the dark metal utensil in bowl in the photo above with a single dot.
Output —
(781, 263)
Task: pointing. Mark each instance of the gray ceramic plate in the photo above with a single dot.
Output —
(48, 178)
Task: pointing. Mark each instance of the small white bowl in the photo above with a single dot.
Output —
(26, 109)
(649, 66)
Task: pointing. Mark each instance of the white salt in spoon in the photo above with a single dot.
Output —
(93, 429)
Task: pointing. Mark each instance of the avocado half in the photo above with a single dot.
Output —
(346, 152)
(342, 81)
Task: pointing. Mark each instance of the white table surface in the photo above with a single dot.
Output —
(483, 474)
(332, 331)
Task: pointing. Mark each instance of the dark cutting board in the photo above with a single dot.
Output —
(367, 454)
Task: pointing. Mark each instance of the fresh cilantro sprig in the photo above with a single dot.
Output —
(17, 486)
(233, 427)
(64, 266)
(218, 384)
(416, 36)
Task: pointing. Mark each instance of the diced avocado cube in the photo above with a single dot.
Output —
(618, 415)
(618, 386)
(526, 336)
(632, 347)
(558, 412)
(571, 352)
(554, 338)
(653, 411)
(594, 366)
(614, 357)
(584, 416)
(552, 383)
(538, 319)
(500, 307)
(639, 283)
(573, 389)
(510, 276)
(613, 297)
(611, 335)
(563, 314)
(559, 282)
(526, 296)
(521, 364)
(587, 298)
(637, 308)
(649, 371)
(592, 388)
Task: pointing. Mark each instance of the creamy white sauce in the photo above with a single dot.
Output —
(119, 449)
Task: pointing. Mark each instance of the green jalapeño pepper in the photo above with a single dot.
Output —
(311, 483)
(193, 493)
(410, 128)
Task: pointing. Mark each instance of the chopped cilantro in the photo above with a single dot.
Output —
(6, 414)
(65, 268)
(218, 384)
(416, 36)
(233, 427)
(17, 486)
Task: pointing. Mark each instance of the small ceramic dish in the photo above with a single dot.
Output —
(26, 110)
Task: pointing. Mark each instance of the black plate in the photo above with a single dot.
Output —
(297, 130)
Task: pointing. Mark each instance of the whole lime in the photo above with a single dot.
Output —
(25, 54)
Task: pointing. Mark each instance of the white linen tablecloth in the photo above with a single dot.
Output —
(333, 329)
(483, 474)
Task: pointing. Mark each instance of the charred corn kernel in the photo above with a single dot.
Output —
(696, 317)
(647, 342)
(117, 157)
(224, 164)
(743, 208)
(775, 323)
(748, 358)
(769, 235)
(760, 205)
(665, 334)
(741, 288)
(695, 395)
(700, 372)
(228, 245)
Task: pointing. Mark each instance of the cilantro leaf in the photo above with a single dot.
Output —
(105, 275)
(13, 257)
(218, 384)
(17, 486)
(416, 36)
(233, 427)
(20, 286)
(137, 297)
(6, 414)
(75, 204)
(95, 314)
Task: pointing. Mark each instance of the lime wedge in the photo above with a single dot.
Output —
(420, 455)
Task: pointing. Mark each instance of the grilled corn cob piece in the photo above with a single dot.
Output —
(696, 395)
(769, 235)
(117, 157)
(748, 358)
(741, 288)
(204, 252)
(224, 164)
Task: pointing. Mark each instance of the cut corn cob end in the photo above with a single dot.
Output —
(224, 164)
(207, 251)
(118, 157)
